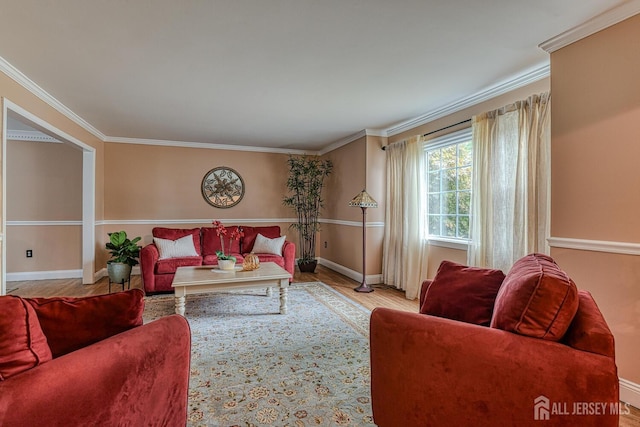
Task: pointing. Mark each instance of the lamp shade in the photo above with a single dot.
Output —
(363, 200)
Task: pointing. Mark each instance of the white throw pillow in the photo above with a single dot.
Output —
(175, 248)
(265, 245)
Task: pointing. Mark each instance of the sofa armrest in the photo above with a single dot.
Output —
(149, 256)
(139, 377)
(427, 370)
(289, 254)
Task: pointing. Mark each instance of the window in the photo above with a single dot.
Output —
(449, 164)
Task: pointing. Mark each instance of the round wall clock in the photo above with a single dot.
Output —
(222, 187)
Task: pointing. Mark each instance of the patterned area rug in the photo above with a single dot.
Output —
(253, 367)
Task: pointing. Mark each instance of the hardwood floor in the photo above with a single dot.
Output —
(383, 296)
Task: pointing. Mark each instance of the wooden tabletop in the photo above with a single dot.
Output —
(210, 274)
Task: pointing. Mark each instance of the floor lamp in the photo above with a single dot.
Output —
(363, 200)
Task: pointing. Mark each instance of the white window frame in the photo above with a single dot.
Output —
(457, 137)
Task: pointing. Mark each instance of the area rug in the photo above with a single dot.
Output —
(251, 366)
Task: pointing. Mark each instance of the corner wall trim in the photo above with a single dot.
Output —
(372, 279)
(630, 392)
(192, 221)
(518, 81)
(32, 87)
(595, 24)
(625, 248)
(42, 223)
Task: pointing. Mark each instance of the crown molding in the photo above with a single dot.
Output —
(30, 135)
(344, 141)
(523, 79)
(593, 25)
(211, 146)
(32, 87)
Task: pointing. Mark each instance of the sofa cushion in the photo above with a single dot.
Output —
(213, 259)
(211, 241)
(265, 245)
(176, 233)
(463, 293)
(536, 299)
(589, 331)
(169, 266)
(23, 344)
(250, 234)
(278, 259)
(74, 323)
(182, 247)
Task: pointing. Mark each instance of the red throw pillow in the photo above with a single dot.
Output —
(588, 330)
(176, 233)
(211, 241)
(463, 293)
(250, 234)
(23, 345)
(537, 299)
(74, 323)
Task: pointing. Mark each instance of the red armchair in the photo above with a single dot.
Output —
(106, 370)
(434, 371)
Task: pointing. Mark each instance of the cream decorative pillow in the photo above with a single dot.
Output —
(179, 248)
(265, 245)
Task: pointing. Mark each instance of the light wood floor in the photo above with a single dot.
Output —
(383, 296)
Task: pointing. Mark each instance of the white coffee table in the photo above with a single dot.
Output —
(204, 279)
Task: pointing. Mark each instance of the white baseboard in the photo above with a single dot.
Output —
(630, 392)
(44, 275)
(59, 274)
(372, 279)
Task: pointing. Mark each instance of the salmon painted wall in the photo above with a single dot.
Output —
(148, 186)
(356, 165)
(44, 185)
(595, 125)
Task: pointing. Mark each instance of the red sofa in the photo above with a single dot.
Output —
(157, 274)
(520, 370)
(90, 361)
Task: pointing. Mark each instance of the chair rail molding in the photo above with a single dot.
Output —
(625, 248)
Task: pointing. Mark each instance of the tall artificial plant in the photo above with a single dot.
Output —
(305, 181)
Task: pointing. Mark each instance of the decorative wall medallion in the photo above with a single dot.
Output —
(222, 187)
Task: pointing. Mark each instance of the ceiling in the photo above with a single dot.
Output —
(277, 74)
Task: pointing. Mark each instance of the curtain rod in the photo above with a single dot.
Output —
(384, 147)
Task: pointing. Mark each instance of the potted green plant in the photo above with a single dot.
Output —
(305, 181)
(124, 255)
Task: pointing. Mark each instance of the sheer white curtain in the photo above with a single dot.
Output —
(511, 183)
(404, 258)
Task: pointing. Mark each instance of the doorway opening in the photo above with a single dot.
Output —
(17, 116)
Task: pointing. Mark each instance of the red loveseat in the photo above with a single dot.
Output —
(90, 361)
(157, 274)
(546, 358)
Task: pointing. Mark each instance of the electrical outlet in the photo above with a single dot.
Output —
(325, 245)
(29, 253)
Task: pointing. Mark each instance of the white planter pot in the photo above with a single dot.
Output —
(118, 272)
(226, 264)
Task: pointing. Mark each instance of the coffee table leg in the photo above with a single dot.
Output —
(269, 291)
(283, 300)
(180, 302)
